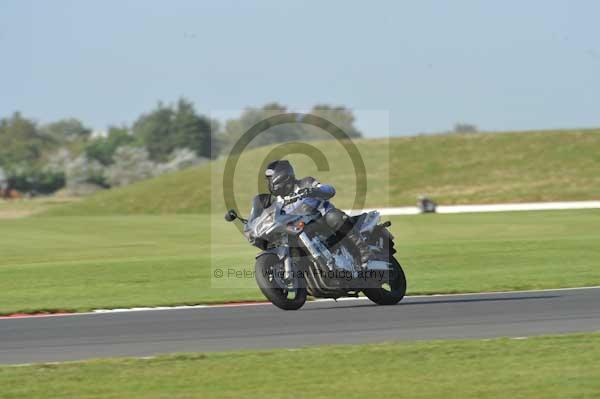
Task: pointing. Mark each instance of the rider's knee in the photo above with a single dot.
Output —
(335, 219)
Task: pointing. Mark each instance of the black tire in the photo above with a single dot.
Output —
(266, 268)
(382, 296)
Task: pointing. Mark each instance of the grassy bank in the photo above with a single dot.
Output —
(454, 169)
(81, 263)
(543, 367)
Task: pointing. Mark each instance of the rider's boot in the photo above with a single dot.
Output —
(363, 248)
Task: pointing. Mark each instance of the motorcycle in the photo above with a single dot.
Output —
(301, 256)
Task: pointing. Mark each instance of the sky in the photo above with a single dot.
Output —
(406, 67)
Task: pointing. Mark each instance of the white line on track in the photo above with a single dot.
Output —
(235, 305)
(245, 304)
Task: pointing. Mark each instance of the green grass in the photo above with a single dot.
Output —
(542, 367)
(81, 263)
(453, 168)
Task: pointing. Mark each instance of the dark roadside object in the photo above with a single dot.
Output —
(426, 205)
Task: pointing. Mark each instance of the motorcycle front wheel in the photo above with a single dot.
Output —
(269, 277)
(392, 292)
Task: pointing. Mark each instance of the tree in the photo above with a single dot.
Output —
(299, 131)
(340, 116)
(102, 149)
(236, 128)
(20, 142)
(154, 130)
(22, 148)
(66, 130)
(167, 128)
(191, 130)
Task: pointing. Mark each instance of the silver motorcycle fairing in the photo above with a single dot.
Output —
(272, 225)
(273, 220)
(366, 222)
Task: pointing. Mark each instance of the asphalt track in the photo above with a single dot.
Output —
(146, 333)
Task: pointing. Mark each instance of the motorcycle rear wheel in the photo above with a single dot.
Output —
(267, 269)
(397, 287)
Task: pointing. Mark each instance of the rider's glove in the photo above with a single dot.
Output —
(305, 192)
(322, 192)
(319, 193)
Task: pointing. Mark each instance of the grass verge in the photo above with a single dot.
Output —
(18, 208)
(83, 263)
(543, 367)
(453, 168)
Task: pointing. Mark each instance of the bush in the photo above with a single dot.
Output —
(3, 178)
(36, 181)
(83, 175)
(102, 149)
(181, 158)
(130, 164)
(462, 127)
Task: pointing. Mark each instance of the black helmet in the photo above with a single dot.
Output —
(280, 177)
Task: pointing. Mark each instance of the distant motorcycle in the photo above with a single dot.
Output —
(301, 257)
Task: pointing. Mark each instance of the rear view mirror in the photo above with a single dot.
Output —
(231, 215)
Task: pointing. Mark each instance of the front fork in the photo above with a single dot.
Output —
(317, 250)
(288, 268)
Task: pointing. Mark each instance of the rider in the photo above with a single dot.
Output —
(282, 182)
